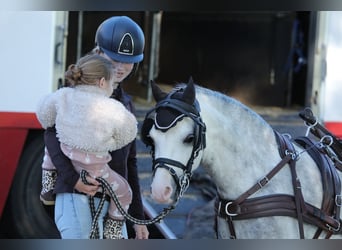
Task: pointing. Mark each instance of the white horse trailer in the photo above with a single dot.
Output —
(33, 46)
(326, 75)
(33, 49)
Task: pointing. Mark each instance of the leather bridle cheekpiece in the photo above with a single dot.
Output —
(199, 142)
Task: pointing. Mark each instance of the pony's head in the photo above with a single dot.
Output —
(176, 133)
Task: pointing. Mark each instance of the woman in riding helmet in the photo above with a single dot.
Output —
(120, 40)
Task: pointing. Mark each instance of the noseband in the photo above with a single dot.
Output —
(199, 143)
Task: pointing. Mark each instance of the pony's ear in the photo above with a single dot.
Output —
(189, 92)
(158, 94)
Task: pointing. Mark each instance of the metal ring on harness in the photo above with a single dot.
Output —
(331, 140)
(310, 126)
(226, 209)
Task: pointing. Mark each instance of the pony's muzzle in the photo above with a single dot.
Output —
(162, 187)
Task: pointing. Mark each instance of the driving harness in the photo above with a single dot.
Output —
(326, 218)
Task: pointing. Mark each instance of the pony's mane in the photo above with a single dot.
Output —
(221, 100)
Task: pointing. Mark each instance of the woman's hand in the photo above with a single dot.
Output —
(87, 189)
(141, 232)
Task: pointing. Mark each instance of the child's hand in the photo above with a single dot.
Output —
(87, 189)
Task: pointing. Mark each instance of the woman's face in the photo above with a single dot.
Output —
(121, 70)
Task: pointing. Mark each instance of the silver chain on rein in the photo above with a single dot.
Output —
(184, 183)
(95, 215)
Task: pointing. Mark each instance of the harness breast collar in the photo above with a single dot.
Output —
(326, 218)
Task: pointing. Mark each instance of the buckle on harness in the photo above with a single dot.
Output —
(263, 181)
(338, 200)
(332, 229)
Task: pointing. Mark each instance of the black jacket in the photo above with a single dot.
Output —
(123, 161)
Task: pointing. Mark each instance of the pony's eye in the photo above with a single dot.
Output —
(189, 139)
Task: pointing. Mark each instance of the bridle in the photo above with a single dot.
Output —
(187, 110)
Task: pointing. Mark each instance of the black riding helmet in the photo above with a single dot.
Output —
(121, 39)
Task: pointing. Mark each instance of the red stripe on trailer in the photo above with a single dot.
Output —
(335, 128)
(11, 145)
(19, 120)
(14, 127)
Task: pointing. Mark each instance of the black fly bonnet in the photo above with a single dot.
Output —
(170, 109)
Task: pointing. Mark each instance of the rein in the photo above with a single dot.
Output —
(108, 189)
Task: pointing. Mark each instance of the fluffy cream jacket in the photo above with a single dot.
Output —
(87, 119)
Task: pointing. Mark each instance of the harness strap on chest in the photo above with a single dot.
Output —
(276, 205)
(326, 218)
(331, 203)
(285, 145)
(233, 205)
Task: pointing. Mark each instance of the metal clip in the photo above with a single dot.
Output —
(323, 140)
(294, 155)
(184, 182)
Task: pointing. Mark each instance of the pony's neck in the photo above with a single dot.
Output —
(239, 142)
